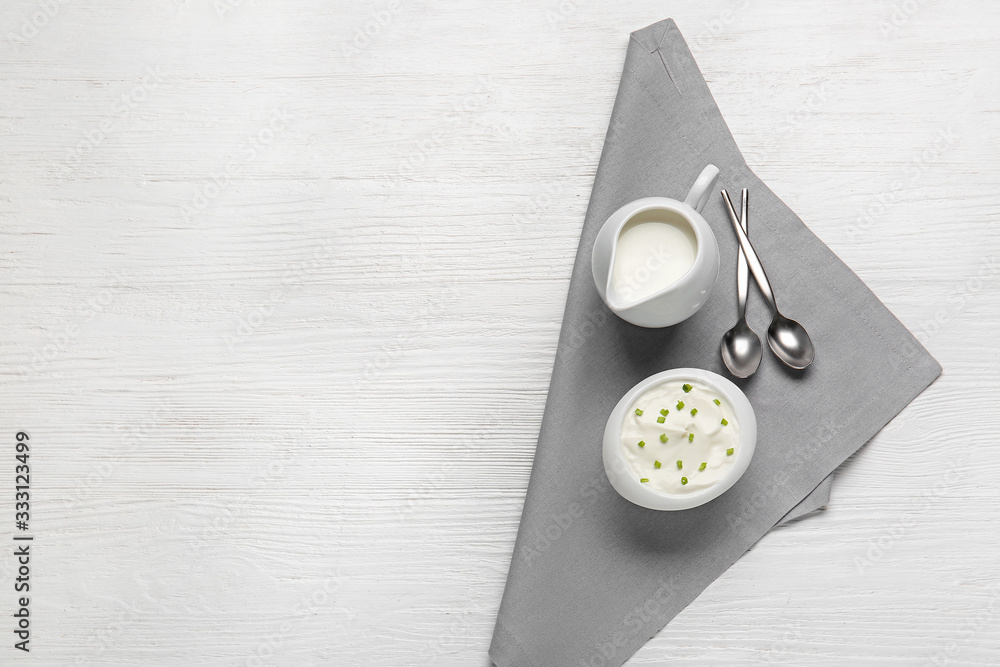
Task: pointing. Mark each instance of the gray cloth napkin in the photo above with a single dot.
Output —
(592, 576)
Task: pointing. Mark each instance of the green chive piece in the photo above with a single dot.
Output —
(684, 480)
(638, 412)
(643, 479)
(642, 443)
(729, 452)
(690, 437)
(694, 411)
(680, 405)
(656, 464)
(680, 464)
(660, 420)
(703, 465)
(687, 388)
(717, 401)
(725, 422)
(663, 437)
(664, 412)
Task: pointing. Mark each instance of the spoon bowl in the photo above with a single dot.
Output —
(790, 342)
(741, 350)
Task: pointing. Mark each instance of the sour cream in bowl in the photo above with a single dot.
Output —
(679, 439)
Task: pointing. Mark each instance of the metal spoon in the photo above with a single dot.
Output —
(741, 348)
(787, 338)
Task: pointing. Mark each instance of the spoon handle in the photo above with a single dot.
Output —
(742, 270)
(751, 255)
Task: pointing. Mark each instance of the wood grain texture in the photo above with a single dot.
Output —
(282, 300)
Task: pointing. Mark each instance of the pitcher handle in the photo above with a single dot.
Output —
(702, 188)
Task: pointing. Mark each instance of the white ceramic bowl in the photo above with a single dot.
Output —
(624, 479)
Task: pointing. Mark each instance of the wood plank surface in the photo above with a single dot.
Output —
(282, 285)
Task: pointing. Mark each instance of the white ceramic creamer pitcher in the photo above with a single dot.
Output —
(656, 260)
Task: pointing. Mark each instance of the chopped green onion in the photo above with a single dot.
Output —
(729, 452)
(638, 412)
(694, 411)
(680, 405)
(656, 464)
(717, 401)
(703, 465)
(643, 479)
(664, 412)
(687, 388)
(642, 443)
(684, 480)
(690, 437)
(660, 420)
(725, 422)
(663, 437)
(680, 464)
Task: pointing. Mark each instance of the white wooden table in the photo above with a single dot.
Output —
(282, 284)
